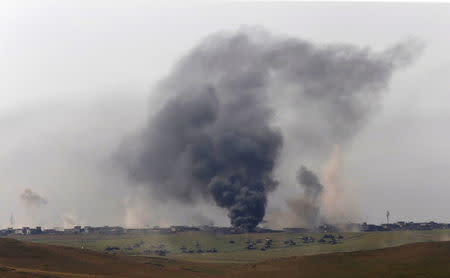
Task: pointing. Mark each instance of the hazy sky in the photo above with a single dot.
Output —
(77, 77)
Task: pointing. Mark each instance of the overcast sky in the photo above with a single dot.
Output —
(76, 77)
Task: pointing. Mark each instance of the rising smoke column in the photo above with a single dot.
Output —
(215, 137)
(225, 154)
(31, 207)
(339, 202)
(329, 199)
(32, 199)
(307, 207)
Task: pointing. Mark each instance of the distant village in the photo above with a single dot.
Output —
(326, 228)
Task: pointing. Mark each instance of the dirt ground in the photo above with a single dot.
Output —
(26, 259)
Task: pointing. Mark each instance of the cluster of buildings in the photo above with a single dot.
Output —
(121, 230)
(21, 231)
(74, 230)
(325, 228)
(205, 228)
(402, 225)
(364, 227)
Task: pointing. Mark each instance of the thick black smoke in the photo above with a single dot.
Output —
(215, 136)
(222, 149)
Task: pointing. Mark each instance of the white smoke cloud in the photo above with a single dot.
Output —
(69, 220)
(340, 203)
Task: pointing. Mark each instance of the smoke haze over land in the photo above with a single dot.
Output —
(340, 203)
(328, 199)
(216, 137)
(118, 116)
(307, 207)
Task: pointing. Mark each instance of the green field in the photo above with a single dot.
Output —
(237, 252)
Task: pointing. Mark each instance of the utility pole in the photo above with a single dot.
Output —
(11, 220)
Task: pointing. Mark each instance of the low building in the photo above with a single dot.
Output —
(18, 231)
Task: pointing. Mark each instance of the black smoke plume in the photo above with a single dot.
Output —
(215, 135)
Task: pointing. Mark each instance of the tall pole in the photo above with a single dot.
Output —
(11, 220)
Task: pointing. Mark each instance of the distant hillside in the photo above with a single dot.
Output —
(25, 259)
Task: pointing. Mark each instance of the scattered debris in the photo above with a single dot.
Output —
(161, 252)
(289, 242)
(250, 247)
(307, 239)
(112, 248)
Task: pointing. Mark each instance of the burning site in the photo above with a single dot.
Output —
(222, 134)
(219, 134)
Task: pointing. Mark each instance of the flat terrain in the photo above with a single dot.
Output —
(413, 260)
(26, 259)
(147, 244)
